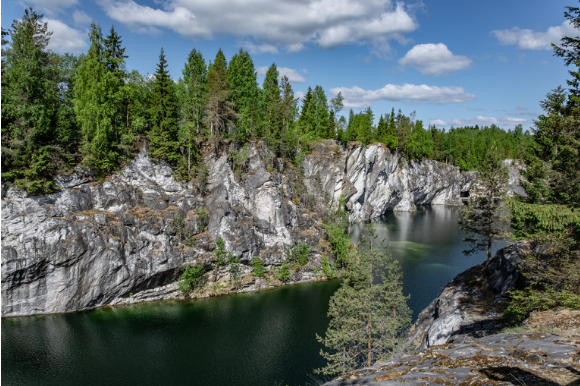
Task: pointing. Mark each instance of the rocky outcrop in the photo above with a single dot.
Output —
(473, 302)
(462, 339)
(545, 353)
(374, 179)
(126, 239)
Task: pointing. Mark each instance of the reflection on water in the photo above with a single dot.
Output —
(264, 338)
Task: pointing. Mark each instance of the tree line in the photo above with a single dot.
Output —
(59, 111)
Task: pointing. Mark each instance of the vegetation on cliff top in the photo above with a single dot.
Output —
(59, 111)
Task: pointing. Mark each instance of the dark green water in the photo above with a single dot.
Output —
(264, 338)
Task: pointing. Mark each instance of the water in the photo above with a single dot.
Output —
(264, 338)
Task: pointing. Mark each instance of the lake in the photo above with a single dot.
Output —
(262, 338)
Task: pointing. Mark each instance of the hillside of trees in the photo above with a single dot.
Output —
(60, 111)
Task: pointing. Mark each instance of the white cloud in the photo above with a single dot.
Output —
(526, 39)
(438, 122)
(80, 18)
(293, 75)
(52, 6)
(299, 94)
(287, 23)
(253, 48)
(434, 59)
(357, 97)
(488, 121)
(64, 38)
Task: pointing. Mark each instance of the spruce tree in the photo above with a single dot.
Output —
(163, 139)
(271, 108)
(288, 138)
(320, 112)
(368, 313)
(96, 107)
(244, 90)
(220, 115)
(192, 97)
(29, 104)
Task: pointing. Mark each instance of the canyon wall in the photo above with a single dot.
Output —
(125, 239)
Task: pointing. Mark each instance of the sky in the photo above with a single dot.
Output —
(449, 63)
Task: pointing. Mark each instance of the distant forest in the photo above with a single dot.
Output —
(60, 111)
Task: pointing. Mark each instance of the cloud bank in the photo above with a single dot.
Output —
(357, 97)
(526, 39)
(482, 121)
(64, 38)
(293, 75)
(434, 59)
(267, 24)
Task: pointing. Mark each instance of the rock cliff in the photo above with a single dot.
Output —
(125, 239)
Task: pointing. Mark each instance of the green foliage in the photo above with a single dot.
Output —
(202, 219)
(328, 268)
(163, 138)
(337, 232)
(484, 219)
(31, 142)
(191, 277)
(240, 160)
(258, 267)
(523, 302)
(241, 81)
(368, 314)
(220, 252)
(191, 95)
(283, 273)
(550, 213)
(298, 253)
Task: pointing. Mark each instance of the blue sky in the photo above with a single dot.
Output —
(453, 62)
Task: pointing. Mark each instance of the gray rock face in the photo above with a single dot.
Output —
(375, 179)
(471, 302)
(94, 244)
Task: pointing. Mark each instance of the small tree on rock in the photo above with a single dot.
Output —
(484, 219)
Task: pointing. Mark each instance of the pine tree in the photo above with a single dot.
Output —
(163, 138)
(29, 104)
(368, 317)
(484, 219)
(243, 85)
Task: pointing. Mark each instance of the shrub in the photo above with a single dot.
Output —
(191, 277)
(258, 266)
(220, 252)
(283, 273)
(328, 268)
(299, 253)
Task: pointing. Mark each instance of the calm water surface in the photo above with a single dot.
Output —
(264, 338)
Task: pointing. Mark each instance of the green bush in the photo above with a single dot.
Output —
(523, 302)
(220, 252)
(283, 273)
(258, 266)
(328, 268)
(299, 253)
(191, 277)
(202, 219)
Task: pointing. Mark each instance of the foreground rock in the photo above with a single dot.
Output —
(462, 339)
(547, 352)
(473, 302)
